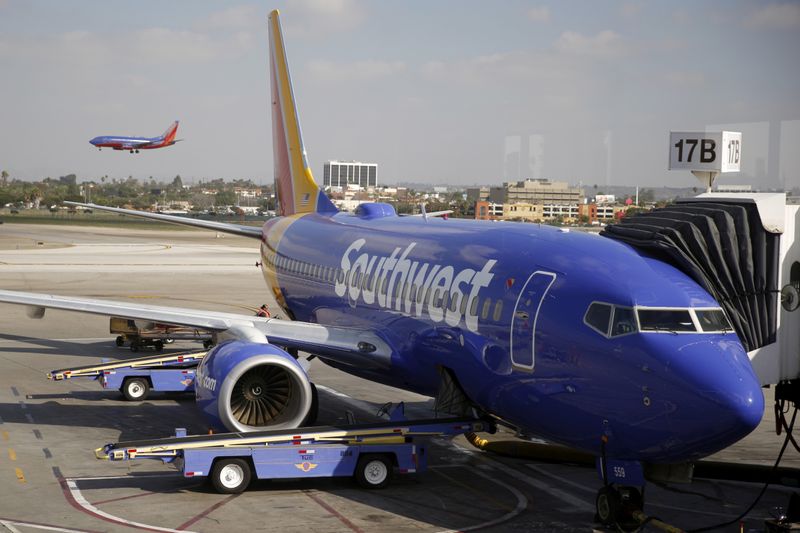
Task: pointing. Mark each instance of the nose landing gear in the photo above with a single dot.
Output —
(619, 507)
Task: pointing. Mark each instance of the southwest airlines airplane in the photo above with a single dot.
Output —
(575, 338)
(134, 144)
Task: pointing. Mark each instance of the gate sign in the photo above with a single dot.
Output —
(719, 151)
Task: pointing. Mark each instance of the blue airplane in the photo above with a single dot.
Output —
(575, 338)
(134, 144)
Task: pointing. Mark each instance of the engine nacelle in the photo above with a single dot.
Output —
(244, 386)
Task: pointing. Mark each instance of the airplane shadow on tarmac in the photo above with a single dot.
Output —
(102, 348)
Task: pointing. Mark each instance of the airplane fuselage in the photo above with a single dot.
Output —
(505, 308)
(129, 143)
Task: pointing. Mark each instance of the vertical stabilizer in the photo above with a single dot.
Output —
(294, 184)
(169, 135)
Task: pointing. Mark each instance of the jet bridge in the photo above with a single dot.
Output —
(741, 248)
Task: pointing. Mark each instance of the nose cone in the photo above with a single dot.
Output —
(721, 399)
(94, 141)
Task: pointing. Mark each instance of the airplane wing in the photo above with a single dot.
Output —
(349, 346)
(235, 229)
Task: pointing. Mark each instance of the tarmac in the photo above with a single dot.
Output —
(50, 479)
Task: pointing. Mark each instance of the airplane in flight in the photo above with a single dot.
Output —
(575, 338)
(134, 144)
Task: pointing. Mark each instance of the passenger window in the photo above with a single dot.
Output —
(463, 309)
(453, 303)
(624, 321)
(486, 305)
(498, 311)
(598, 317)
(473, 309)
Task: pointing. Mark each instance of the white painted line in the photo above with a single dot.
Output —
(575, 503)
(522, 503)
(137, 476)
(76, 493)
(9, 526)
(542, 471)
(10, 523)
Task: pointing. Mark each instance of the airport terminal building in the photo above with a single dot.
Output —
(353, 173)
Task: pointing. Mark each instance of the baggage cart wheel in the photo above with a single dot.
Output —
(134, 345)
(159, 346)
(120, 340)
(230, 476)
(135, 389)
(206, 344)
(374, 471)
(169, 341)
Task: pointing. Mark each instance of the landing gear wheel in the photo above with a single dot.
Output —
(607, 506)
(374, 471)
(616, 507)
(120, 340)
(230, 476)
(135, 389)
(169, 341)
(159, 346)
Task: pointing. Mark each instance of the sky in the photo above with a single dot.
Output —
(454, 92)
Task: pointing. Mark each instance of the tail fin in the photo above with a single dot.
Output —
(294, 184)
(169, 135)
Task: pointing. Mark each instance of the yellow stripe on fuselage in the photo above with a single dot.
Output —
(303, 184)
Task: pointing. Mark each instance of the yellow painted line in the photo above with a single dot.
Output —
(5, 435)
(20, 475)
(12, 454)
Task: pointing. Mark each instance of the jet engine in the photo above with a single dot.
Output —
(245, 386)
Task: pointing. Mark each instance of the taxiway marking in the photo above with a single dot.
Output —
(343, 519)
(522, 504)
(72, 493)
(34, 525)
(207, 512)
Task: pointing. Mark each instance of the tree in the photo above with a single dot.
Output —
(177, 183)
(4, 176)
(225, 198)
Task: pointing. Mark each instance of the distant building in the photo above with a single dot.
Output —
(344, 173)
(523, 211)
(477, 194)
(733, 188)
(536, 191)
(488, 211)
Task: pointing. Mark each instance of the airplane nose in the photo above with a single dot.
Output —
(725, 401)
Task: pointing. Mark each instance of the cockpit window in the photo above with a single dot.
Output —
(712, 320)
(598, 317)
(672, 320)
(624, 321)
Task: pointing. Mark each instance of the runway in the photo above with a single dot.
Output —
(50, 480)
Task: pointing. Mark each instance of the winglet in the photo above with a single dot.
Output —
(294, 184)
